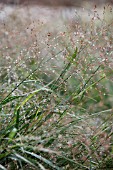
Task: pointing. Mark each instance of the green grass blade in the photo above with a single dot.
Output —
(55, 84)
(12, 134)
(24, 159)
(2, 167)
(9, 99)
(41, 166)
(88, 88)
(43, 160)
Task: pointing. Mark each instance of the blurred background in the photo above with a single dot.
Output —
(56, 3)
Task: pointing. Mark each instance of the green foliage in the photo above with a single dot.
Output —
(56, 111)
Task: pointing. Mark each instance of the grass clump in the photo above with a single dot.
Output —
(56, 95)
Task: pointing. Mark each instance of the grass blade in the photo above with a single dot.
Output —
(2, 167)
(24, 159)
(43, 159)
